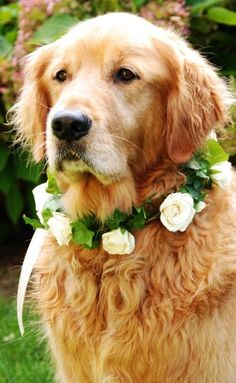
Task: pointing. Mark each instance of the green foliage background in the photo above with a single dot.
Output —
(210, 25)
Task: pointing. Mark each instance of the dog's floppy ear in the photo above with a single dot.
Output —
(195, 106)
(29, 114)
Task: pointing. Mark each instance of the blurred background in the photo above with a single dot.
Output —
(210, 25)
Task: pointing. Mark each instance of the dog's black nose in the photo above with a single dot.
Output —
(70, 125)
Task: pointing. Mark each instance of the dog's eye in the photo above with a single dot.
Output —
(61, 75)
(125, 75)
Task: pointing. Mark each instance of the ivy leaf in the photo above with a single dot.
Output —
(139, 219)
(95, 245)
(91, 222)
(53, 187)
(202, 174)
(81, 235)
(116, 219)
(204, 165)
(182, 189)
(197, 184)
(46, 214)
(34, 222)
(193, 164)
(192, 191)
(215, 153)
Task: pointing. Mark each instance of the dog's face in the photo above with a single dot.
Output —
(101, 95)
(116, 94)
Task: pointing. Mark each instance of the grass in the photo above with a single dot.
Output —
(22, 359)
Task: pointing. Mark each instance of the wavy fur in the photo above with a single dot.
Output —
(166, 312)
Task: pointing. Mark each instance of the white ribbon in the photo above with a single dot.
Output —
(31, 256)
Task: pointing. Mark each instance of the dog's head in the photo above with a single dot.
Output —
(117, 94)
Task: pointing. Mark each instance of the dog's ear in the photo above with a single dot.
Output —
(198, 103)
(29, 114)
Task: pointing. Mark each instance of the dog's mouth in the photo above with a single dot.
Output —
(70, 155)
(74, 162)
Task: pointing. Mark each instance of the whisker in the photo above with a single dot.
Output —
(112, 149)
(45, 106)
(129, 142)
(37, 134)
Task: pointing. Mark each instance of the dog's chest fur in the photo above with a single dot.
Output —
(144, 317)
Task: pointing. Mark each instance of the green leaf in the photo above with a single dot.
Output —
(81, 235)
(140, 3)
(123, 230)
(201, 174)
(91, 222)
(194, 2)
(194, 193)
(26, 170)
(202, 5)
(139, 219)
(222, 16)
(7, 178)
(8, 13)
(3, 155)
(116, 219)
(29, 199)
(215, 153)
(14, 203)
(34, 222)
(193, 164)
(11, 36)
(53, 28)
(46, 214)
(53, 187)
(5, 47)
(182, 189)
(197, 184)
(95, 244)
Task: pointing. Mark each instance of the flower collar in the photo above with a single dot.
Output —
(176, 211)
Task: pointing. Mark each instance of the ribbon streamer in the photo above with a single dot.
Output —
(31, 256)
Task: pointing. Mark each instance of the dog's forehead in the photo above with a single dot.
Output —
(116, 25)
(113, 37)
(122, 30)
(118, 39)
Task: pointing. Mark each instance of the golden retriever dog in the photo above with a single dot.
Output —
(140, 102)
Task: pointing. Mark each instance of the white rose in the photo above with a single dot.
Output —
(40, 198)
(60, 228)
(116, 242)
(177, 211)
(221, 174)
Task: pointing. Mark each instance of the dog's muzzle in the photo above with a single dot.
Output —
(70, 125)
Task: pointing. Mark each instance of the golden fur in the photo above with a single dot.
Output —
(167, 312)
